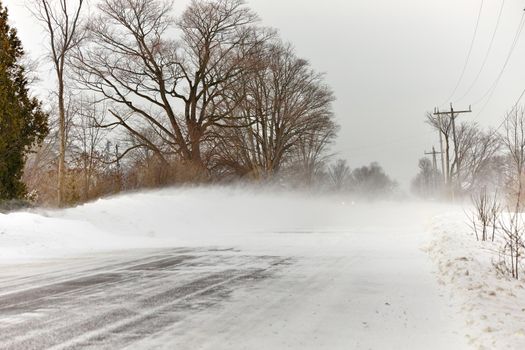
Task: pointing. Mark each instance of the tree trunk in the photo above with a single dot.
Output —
(62, 141)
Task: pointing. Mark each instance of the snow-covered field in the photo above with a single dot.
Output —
(362, 274)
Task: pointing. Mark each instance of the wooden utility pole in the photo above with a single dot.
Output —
(442, 152)
(434, 154)
(452, 114)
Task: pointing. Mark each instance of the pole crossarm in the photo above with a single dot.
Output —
(448, 113)
(452, 112)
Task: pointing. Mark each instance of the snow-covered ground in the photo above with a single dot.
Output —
(359, 277)
(493, 304)
(250, 218)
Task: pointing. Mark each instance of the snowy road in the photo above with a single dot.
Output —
(320, 272)
(111, 302)
(223, 299)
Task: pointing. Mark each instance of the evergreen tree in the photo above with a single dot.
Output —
(23, 124)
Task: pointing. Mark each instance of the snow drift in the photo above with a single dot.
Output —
(251, 218)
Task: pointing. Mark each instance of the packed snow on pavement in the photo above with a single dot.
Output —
(381, 275)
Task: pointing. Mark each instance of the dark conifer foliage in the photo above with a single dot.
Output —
(22, 120)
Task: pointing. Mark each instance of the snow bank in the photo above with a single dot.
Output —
(26, 236)
(494, 305)
(251, 218)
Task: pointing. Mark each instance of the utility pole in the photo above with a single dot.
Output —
(443, 175)
(452, 114)
(434, 154)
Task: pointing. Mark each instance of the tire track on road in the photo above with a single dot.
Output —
(158, 288)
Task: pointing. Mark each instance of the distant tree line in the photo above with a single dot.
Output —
(370, 181)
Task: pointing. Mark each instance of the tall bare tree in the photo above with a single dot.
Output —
(310, 153)
(513, 227)
(167, 94)
(288, 110)
(477, 153)
(340, 174)
(426, 183)
(514, 143)
(63, 25)
(88, 142)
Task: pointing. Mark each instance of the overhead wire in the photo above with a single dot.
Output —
(514, 109)
(487, 54)
(469, 54)
(490, 92)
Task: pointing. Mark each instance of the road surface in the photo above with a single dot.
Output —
(203, 298)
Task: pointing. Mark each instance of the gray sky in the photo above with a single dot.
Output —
(388, 62)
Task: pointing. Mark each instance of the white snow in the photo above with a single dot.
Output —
(494, 305)
(359, 279)
(249, 218)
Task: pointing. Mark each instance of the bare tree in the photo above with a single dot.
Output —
(513, 227)
(220, 44)
(426, 183)
(443, 125)
(478, 154)
(485, 215)
(287, 109)
(310, 153)
(88, 142)
(40, 169)
(372, 181)
(63, 25)
(132, 62)
(465, 140)
(514, 143)
(340, 174)
(471, 155)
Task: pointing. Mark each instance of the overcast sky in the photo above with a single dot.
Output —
(388, 62)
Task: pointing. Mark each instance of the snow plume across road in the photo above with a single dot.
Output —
(225, 268)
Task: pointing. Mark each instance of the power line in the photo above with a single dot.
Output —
(487, 54)
(514, 108)
(492, 89)
(468, 55)
(511, 50)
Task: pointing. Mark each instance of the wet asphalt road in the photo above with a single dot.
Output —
(112, 301)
